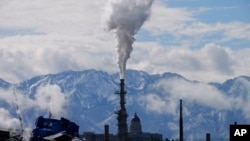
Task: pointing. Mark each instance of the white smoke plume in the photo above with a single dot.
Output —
(50, 98)
(125, 17)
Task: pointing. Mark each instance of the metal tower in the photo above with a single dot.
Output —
(122, 114)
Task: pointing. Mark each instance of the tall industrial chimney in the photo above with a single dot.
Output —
(122, 114)
(181, 122)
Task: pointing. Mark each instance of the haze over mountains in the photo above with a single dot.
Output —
(87, 98)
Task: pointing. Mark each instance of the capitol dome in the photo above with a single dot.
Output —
(135, 126)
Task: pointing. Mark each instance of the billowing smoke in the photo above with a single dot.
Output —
(126, 17)
(51, 99)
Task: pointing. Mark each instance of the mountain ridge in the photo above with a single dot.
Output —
(154, 97)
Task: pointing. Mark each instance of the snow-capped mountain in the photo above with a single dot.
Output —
(87, 98)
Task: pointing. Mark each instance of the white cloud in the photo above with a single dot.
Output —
(50, 98)
(7, 121)
(210, 63)
(52, 16)
(190, 92)
(7, 96)
(201, 93)
(15, 98)
(243, 100)
(165, 19)
(219, 58)
(64, 35)
(25, 56)
(183, 21)
(237, 30)
(154, 103)
(50, 37)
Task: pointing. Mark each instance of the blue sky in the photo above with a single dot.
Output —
(205, 40)
(211, 13)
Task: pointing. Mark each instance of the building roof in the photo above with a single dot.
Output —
(136, 118)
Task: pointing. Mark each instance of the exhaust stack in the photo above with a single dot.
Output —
(122, 114)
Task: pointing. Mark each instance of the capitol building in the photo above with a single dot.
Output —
(135, 133)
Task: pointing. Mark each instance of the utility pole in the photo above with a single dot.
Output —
(181, 122)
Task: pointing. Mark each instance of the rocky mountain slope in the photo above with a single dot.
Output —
(87, 98)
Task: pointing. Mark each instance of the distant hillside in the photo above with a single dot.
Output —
(87, 98)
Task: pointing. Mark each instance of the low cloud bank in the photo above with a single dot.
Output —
(48, 99)
(194, 92)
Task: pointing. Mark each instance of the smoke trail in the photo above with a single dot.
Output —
(50, 98)
(126, 17)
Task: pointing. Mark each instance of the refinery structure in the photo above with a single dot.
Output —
(48, 129)
(134, 133)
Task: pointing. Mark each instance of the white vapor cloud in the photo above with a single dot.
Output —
(42, 36)
(243, 99)
(48, 98)
(197, 92)
(44, 16)
(126, 18)
(193, 92)
(58, 36)
(165, 19)
(7, 121)
(210, 63)
(190, 92)
(26, 56)
(155, 103)
(182, 21)
(15, 98)
(51, 98)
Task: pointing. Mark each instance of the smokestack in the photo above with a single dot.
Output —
(125, 17)
(106, 132)
(181, 122)
(122, 114)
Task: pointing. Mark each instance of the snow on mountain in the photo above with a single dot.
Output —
(87, 98)
(4, 84)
